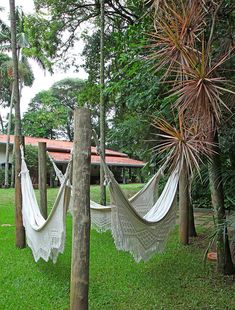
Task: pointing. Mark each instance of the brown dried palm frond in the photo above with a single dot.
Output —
(182, 145)
(201, 91)
(177, 29)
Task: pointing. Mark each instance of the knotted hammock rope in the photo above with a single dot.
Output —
(46, 238)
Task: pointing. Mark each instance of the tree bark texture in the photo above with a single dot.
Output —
(102, 104)
(20, 232)
(184, 206)
(81, 211)
(224, 260)
(42, 177)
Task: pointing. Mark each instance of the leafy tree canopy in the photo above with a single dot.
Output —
(50, 112)
(5, 80)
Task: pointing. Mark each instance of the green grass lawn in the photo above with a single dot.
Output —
(176, 279)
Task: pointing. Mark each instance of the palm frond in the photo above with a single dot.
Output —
(182, 144)
(200, 93)
(176, 30)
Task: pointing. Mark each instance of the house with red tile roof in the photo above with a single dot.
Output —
(60, 150)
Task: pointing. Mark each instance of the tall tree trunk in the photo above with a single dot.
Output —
(224, 260)
(102, 104)
(13, 167)
(8, 140)
(184, 205)
(1, 122)
(20, 232)
(68, 127)
(191, 225)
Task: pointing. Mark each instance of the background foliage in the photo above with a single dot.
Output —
(134, 90)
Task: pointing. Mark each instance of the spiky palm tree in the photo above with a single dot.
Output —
(179, 45)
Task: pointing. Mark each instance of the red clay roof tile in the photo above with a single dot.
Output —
(59, 145)
(60, 151)
(95, 160)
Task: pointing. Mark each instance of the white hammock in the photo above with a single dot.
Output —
(142, 235)
(141, 201)
(46, 238)
(140, 225)
(100, 215)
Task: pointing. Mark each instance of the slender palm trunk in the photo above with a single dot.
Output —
(224, 261)
(184, 205)
(191, 224)
(102, 104)
(20, 233)
(9, 132)
(8, 140)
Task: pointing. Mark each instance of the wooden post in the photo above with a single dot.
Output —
(42, 177)
(184, 206)
(81, 210)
